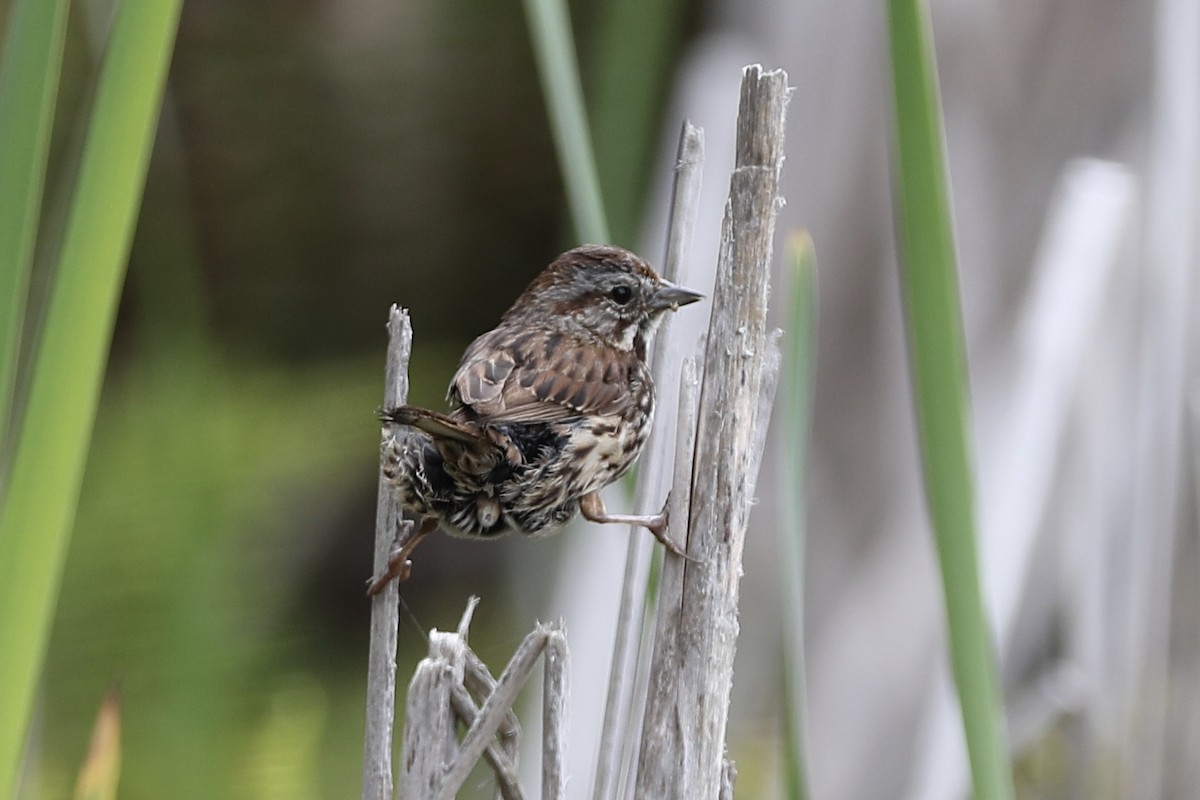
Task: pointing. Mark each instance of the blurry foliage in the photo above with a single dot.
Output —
(205, 523)
(634, 52)
(342, 158)
(178, 581)
(64, 360)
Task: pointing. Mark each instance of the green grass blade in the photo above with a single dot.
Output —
(29, 71)
(938, 355)
(631, 76)
(52, 444)
(554, 51)
(799, 366)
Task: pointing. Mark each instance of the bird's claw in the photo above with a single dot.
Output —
(658, 526)
(397, 570)
(399, 567)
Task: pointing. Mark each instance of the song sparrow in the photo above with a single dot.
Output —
(550, 406)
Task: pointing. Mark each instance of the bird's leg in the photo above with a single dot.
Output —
(398, 566)
(592, 507)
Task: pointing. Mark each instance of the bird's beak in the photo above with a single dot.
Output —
(668, 295)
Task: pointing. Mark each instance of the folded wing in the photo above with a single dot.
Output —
(540, 378)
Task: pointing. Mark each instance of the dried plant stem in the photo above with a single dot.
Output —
(651, 482)
(502, 761)
(493, 711)
(555, 696)
(479, 683)
(430, 725)
(385, 610)
(660, 758)
(446, 686)
(697, 627)
(1167, 374)
(418, 742)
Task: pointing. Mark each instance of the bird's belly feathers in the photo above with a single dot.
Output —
(603, 449)
(535, 498)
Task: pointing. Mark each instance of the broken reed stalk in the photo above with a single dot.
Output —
(556, 694)
(471, 683)
(385, 606)
(696, 622)
(445, 688)
(429, 722)
(502, 758)
(652, 477)
(494, 710)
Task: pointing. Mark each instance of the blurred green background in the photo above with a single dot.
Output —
(315, 162)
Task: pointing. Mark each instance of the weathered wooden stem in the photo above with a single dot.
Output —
(501, 760)
(446, 686)
(430, 725)
(493, 712)
(652, 480)
(696, 636)
(660, 758)
(502, 757)
(385, 609)
(556, 694)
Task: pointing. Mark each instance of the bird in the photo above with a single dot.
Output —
(547, 408)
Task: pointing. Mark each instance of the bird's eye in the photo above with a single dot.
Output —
(622, 294)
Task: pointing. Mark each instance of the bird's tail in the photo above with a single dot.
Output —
(439, 426)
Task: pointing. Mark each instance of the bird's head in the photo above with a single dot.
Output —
(609, 292)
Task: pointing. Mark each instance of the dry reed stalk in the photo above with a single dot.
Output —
(696, 631)
(385, 608)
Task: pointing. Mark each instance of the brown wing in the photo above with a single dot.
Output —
(540, 377)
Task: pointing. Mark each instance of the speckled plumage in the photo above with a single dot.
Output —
(549, 407)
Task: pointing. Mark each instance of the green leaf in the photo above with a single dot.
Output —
(52, 443)
(938, 354)
(554, 50)
(799, 369)
(631, 76)
(29, 70)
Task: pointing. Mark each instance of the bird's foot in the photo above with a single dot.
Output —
(592, 507)
(658, 527)
(399, 566)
